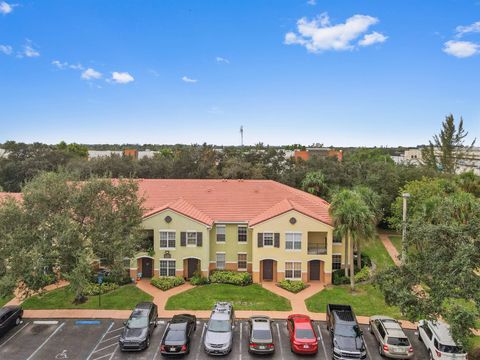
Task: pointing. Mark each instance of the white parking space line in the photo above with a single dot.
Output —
(99, 341)
(105, 347)
(366, 347)
(200, 343)
(46, 340)
(113, 353)
(112, 331)
(11, 337)
(241, 340)
(102, 357)
(111, 338)
(321, 338)
(279, 339)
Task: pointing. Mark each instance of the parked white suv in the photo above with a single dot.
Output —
(438, 340)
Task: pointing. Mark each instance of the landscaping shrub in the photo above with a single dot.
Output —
(231, 277)
(94, 289)
(362, 275)
(293, 286)
(474, 354)
(165, 283)
(198, 279)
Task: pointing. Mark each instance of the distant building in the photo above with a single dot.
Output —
(134, 153)
(318, 152)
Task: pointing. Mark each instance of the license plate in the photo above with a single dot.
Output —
(173, 349)
(262, 347)
(306, 346)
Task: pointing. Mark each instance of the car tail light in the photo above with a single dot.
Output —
(439, 354)
(162, 347)
(410, 349)
(385, 347)
(252, 345)
(184, 347)
(270, 346)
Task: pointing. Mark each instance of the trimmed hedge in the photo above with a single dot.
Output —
(339, 278)
(231, 277)
(293, 286)
(199, 280)
(363, 275)
(94, 289)
(166, 283)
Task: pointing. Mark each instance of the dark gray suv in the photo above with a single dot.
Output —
(139, 327)
(219, 335)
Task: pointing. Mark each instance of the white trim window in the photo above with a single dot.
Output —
(167, 239)
(242, 261)
(268, 239)
(242, 233)
(191, 238)
(337, 239)
(220, 261)
(293, 241)
(293, 270)
(221, 233)
(167, 267)
(336, 261)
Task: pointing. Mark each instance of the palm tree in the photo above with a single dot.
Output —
(315, 183)
(353, 219)
(372, 200)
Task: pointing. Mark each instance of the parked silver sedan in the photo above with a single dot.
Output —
(260, 338)
(393, 343)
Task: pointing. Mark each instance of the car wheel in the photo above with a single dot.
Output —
(380, 349)
(148, 342)
(419, 336)
(18, 321)
(156, 321)
(370, 329)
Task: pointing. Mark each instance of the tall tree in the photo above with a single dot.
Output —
(353, 220)
(60, 225)
(315, 183)
(448, 148)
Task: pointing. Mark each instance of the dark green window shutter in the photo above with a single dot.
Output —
(183, 238)
(199, 238)
(276, 240)
(260, 240)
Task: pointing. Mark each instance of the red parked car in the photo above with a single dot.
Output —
(303, 339)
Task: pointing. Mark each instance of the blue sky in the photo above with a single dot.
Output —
(344, 73)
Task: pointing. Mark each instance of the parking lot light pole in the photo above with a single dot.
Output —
(405, 197)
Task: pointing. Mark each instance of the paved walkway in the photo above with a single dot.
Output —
(391, 249)
(18, 299)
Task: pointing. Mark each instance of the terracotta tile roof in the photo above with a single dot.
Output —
(212, 200)
(216, 200)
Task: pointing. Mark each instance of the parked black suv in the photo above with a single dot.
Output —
(139, 327)
(347, 338)
(10, 316)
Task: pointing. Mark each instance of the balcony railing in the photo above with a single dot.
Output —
(317, 249)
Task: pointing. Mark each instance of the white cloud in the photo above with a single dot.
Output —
(6, 49)
(223, 60)
(59, 64)
(121, 77)
(28, 50)
(188, 80)
(373, 38)
(6, 8)
(76, 66)
(312, 2)
(472, 28)
(461, 49)
(91, 74)
(320, 35)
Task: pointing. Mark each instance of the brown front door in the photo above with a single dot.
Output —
(314, 270)
(192, 267)
(268, 270)
(147, 267)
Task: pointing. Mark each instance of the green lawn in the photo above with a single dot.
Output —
(4, 300)
(375, 249)
(366, 300)
(251, 297)
(124, 298)
(397, 242)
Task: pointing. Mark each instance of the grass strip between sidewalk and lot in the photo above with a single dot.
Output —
(123, 298)
(4, 300)
(365, 301)
(251, 297)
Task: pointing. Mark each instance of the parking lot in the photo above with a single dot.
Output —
(98, 339)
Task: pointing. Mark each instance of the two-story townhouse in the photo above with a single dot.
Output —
(266, 228)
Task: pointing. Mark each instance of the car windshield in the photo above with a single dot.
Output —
(175, 335)
(304, 334)
(347, 331)
(261, 335)
(137, 322)
(219, 325)
(450, 349)
(398, 341)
